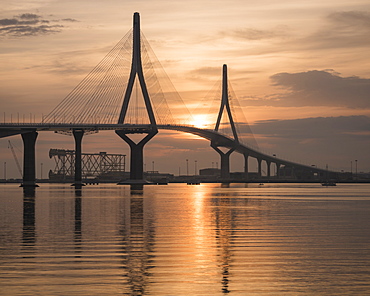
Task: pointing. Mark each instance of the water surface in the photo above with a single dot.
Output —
(275, 239)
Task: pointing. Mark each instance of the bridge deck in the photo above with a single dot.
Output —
(10, 129)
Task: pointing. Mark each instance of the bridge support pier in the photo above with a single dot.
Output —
(29, 159)
(225, 161)
(278, 170)
(259, 161)
(136, 156)
(246, 170)
(268, 162)
(78, 134)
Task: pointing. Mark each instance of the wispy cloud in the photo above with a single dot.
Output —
(209, 72)
(69, 20)
(356, 20)
(29, 24)
(257, 34)
(345, 29)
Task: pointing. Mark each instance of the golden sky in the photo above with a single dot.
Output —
(300, 69)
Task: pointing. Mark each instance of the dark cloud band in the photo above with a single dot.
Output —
(322, 88)
(29, 24)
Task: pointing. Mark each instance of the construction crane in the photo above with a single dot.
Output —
(15, 157)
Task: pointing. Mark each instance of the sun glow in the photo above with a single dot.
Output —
(201, 121)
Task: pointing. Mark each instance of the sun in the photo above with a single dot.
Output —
(201, 121)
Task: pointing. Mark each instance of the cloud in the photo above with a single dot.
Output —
(29, 30)
(69, 20)
(321, 88)
(346, 29)
(337, 30)
(29, 16)
(357, 20)
(14, 21)
(29, 24)
(205, 73)
(257, 34)
(315, 127)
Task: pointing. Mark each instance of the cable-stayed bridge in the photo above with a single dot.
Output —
(129, 92)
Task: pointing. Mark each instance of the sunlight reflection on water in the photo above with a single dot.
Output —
(276, 239)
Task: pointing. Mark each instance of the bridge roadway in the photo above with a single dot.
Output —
(9, 129)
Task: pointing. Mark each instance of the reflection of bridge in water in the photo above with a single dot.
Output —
(134, 238)
(136, 104)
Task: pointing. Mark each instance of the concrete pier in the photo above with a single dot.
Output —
(246, 169)
(136, 156)
(225, 161)
(78, 134)
(29, 159)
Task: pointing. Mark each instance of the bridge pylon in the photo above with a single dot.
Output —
(137, 155)
(216, 144)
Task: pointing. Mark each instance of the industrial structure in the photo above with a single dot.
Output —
(101, 166)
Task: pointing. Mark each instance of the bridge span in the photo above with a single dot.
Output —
(10, 129)
(106, 93)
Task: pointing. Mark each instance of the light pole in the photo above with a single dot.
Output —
(356, 167)
(195, 167)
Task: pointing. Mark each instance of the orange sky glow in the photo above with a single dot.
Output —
(300, 71)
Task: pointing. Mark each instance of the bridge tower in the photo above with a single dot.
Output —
(136, 155)
(216, 144)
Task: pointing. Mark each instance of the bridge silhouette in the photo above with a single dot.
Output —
(124, 94)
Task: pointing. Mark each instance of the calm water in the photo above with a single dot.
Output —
(301, 239)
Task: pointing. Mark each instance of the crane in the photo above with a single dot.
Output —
(15, 157)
